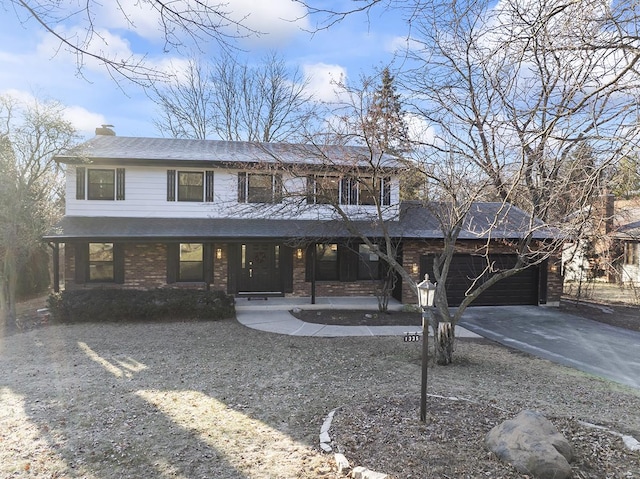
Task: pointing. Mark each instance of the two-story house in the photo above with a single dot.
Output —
(256, 220)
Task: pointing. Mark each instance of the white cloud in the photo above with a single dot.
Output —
(83, 120)
(400, 45)
(21, 96)
(324, 79)
(131, 15)
(419, 129)
(102, 43)
(278, 21)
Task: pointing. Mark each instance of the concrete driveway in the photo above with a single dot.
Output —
(587, 345)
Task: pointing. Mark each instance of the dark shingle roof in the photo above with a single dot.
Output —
(629, 231)
(415, 222)
(131, 150)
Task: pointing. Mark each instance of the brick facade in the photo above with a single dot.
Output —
(145, 267)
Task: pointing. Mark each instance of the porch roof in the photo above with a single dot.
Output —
(484, 220)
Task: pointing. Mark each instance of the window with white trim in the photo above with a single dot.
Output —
(327, 189)
(100, 183)
(259, 188)
(194, 186)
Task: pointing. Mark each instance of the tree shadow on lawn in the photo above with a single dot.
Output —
(107, 403)
(220, 400)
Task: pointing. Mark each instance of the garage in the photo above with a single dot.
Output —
(520, 289)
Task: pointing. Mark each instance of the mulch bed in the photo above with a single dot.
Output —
(358, 317)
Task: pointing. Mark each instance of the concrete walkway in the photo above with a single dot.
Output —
(272, 315)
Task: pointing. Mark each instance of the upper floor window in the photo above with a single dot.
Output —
(323, 189)
(190, 186)
(259, 188)
(99, 183)
(101, 262)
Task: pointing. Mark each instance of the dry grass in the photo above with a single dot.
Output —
(217, 400)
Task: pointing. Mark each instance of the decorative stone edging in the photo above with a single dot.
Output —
(360, 472)
(630, 442)
(342, 462)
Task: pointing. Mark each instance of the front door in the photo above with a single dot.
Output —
(260, 269)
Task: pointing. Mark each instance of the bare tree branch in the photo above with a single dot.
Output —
(183, 23)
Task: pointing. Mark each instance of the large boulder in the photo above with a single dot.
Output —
(531, 444)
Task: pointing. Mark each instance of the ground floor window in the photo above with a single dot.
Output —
(191, 262)
(368, 262)
(101, 262)
(327, 262)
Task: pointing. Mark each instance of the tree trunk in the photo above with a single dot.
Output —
(444, 339)
(444, 343)
(385, 290)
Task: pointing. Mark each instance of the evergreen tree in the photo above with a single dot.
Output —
(626, 178)
(386, 128)
(385, 123)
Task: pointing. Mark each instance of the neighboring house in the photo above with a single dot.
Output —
(610, 249)
(626, 237)
(588, 258)
(255, 220)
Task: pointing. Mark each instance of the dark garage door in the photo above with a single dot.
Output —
(521, 288)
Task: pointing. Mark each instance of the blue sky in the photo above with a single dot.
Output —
(32, 64)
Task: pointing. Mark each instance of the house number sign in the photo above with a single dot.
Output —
(412, 337)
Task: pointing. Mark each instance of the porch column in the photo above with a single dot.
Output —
(56, 266)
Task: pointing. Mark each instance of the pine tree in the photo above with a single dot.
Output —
(626, 178)
(385, 123)
(386, 128)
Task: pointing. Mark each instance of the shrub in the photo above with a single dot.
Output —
(116, 305)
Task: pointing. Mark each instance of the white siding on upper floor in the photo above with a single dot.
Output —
(146, 197)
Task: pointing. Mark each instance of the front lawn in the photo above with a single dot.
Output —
(217, 400)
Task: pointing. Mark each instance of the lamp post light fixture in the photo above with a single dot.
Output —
(426, 296)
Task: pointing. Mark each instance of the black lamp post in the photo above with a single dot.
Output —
(426, 296)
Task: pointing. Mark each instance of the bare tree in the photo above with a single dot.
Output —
(514, 91)
(235, 101)
(520, 98)
(182, 24)
(530, 104)
(186, 104)
(31, 194)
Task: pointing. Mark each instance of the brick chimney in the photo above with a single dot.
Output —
(105, 130)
